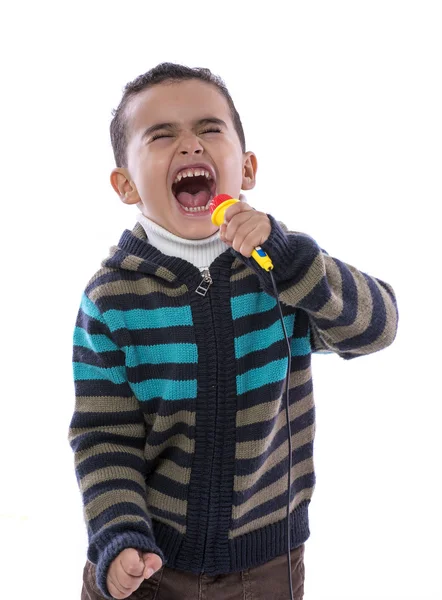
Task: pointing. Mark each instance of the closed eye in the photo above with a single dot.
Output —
(215, 130)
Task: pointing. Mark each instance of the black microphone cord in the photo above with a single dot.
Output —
(289, 431)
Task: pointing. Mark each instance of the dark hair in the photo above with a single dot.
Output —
(169, 72)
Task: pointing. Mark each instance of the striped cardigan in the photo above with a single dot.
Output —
(179, 431)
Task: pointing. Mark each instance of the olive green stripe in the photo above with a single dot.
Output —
(165, 502)
(123, 519)
(246, 272)
(142, 287)
(110, 473)
(82, 455)
(164, 422)
(273, 490)
(106, 404)
(273, 517)
(252, 449)
(100, 503)
(294, 294)
(173, 471)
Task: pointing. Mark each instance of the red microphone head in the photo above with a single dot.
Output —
(217, 200)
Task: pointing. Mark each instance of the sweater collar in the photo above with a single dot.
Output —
(200, 253)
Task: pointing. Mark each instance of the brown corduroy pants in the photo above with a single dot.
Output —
(269, 581)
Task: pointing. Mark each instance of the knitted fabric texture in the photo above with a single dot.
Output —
(179, 431)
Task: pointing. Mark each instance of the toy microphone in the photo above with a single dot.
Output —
(218, 207)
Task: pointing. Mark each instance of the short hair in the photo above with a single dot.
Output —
(163, 72)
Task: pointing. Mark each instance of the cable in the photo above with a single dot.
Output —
(289, 431)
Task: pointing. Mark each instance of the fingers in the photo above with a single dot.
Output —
(125, 573)
(151, 562)
(245, 232)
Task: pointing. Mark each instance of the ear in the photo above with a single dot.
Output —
(250, 167)
(124, 186)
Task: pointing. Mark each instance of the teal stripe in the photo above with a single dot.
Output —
(251, 304)
(256, 378)
(300, 346)
(264, 338)
(161, 353)
(95, 341)
(83, 372)
(89, 308)
(140, 318)
(167, 389)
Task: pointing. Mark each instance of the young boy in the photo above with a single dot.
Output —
(179, 430)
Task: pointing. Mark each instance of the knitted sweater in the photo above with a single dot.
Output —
(179, 430)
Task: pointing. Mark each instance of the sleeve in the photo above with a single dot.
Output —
(350, 313)
(107, 435)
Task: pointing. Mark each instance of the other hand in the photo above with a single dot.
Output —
(128, 570)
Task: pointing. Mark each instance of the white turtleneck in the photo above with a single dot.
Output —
(200, 253)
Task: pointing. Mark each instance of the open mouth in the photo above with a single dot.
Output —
(194, 193)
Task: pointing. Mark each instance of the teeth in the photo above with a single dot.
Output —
(192, 173)
(197, 208)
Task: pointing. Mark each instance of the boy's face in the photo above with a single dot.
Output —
(152, 163)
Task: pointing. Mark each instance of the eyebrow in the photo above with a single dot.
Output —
(147, 132)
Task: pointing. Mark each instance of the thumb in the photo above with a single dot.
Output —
(152, 563)
(132, 562)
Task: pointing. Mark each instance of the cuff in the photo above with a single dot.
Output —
(113, 548)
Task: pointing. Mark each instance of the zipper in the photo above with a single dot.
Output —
(206, 282)
(202, 290)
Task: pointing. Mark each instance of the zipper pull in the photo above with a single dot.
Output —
(205, 283)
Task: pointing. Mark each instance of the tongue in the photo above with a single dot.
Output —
(192, 200)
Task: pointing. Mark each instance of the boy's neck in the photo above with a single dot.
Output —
(200, 253)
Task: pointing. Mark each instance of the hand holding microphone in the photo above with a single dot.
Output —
(242, 227)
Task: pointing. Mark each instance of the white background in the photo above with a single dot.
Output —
(341, 102)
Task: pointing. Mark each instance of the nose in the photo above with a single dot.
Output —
(191, 145)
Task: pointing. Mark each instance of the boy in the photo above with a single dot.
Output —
(179, 431)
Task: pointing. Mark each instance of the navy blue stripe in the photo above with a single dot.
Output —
(102, 387)
(156, 438)
(89, 324)
(157, 405)
(114, 459)
(97, 419)
(138, 337)
(172, 371)
(271, 391)
(114, 358)
(114, 511)
(166, 485)
(166, 514)
(174, 454)
(129, 301)
(260, 358)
